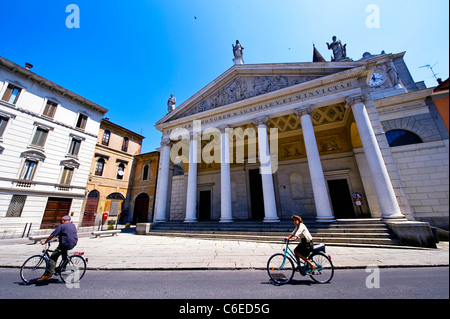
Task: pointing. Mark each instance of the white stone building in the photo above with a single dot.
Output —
(337, 131)
(47, 140)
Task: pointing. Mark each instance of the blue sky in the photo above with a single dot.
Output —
(128, 56)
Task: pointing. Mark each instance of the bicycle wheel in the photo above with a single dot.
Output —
(33, 269)
(280, 268)
(324, 268)
(73, 270)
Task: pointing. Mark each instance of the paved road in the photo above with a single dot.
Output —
(393, 283)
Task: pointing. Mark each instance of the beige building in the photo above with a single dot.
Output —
(111, 173)
(348, 139)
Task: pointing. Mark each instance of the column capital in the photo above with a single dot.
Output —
(261, 120)
(223, 128)
(166, 142)
(308, 109)
(195, 136)
(351, 100)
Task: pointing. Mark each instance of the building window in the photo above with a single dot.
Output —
(81, 122)
(16, 206)
(99, 167)
(145, 173)
(74, 146)
(106, 136)
(402, 137)
(125, 144)
(66, 177)
(29, 168)
(40, 136)
(11, 94)
(50, 109)
(3, 122)
(120, 171)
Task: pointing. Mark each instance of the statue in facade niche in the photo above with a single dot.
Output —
(237, 50)
(171, 103)
(339, 50)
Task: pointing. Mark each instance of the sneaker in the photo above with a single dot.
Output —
(45, 277)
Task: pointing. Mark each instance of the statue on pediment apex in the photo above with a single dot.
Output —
(238, 50)
(339, 50)
(171, 103)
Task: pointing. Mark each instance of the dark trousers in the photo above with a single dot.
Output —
(60, 251)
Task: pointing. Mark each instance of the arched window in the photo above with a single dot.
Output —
(99, 166)
(94, 194)
(106, 136)
(402, 137)
(116, 196)
(145, 173)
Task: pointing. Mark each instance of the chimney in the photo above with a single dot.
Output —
(28, 66)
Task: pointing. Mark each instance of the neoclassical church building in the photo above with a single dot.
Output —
(343, 139)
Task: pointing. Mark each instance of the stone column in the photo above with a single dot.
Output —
(320, 190)
(383, 186)
(163, 183)
(270, 206)
(226, 214)
(191, 200)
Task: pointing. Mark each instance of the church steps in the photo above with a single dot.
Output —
(345, 241)
(342, 232)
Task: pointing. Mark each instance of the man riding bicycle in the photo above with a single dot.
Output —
(68, 239)
(306, 246)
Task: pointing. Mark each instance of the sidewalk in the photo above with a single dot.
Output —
(128, 251)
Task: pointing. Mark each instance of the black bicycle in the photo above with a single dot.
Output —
(70, 269)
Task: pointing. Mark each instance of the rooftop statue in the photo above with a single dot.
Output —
(339, 50)
(171, 103)
(237, 50)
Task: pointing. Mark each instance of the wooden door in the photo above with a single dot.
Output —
(54, 211)
(90, 210)
(141, 205)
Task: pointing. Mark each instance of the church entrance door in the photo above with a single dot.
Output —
(256, 195)
(341, 199)
(204, 207)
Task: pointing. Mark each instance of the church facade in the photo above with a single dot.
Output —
(325, 140)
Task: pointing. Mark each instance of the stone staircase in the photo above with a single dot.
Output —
(354, 232)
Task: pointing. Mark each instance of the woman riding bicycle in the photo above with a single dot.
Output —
(305, 247)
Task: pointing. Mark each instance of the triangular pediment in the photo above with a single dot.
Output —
(242, 82)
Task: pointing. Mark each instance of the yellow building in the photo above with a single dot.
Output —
(109, 177)
(142, 195)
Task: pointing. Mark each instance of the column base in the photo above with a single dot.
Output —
(193, 220)
(271, 220)
(226, 220)
(160, 220)
(394, 218)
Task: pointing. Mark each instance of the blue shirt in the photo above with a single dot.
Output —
(67, 234)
